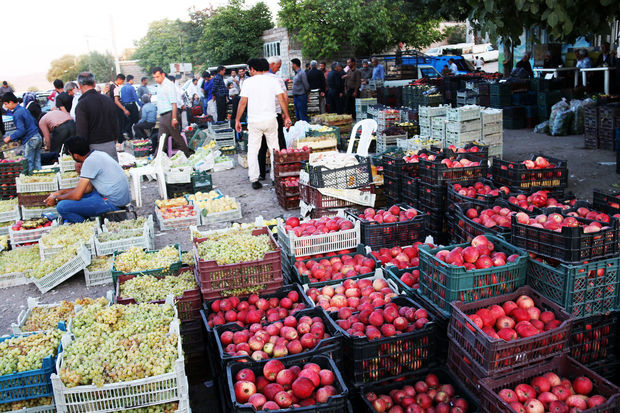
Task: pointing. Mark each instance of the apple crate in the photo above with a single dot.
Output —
(304, 279)
(387, 235)
(282, 170)
(484, 200)
(563, 366)
(312, 196)
(570, 246)
(517, 177)
(28, 236)
(291, 157)
(66, 271)
(496, 356)
(318, 244)
(30, 384)
(461, 366)
(336, 404)
(392, 188)
(217, 280)
(37, 186)
(409, 379)
(172, 269)
(367, 361)
(582, 290)
(329, 346)
(464, 229)
(348, 177)
(187, 304)
(442, 283)
(115, 397)
(431, 196)
(436, 173)
(395, 165)
(167, 224)
(595, 338)
(608, 202)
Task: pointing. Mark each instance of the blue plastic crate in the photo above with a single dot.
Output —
(28, 384)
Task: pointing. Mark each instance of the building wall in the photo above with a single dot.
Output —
(130, 67)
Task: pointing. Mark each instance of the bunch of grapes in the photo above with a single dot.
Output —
(20, 259)
(125, 225)
(187, 258)
(25, 404)
(8, 205)
(37, 178)
(50, 265)
(137, 259)
(69, 175)
(25, 353)
(115, 236)
(4, 242)
(64, 235)
(148, 288)
(103, 263)
(217, 205)
(234, 246)
(47, 318)
(119, 343)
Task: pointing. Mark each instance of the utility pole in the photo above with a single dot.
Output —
(182, 63)
(116, 61)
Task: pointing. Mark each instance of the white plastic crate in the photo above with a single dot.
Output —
(49, 408)
(25, 314)
(425, 121)
(493, 139)
(29, 213)
(418, 142)
(179, 175)
(221, 126)
(222, 166)
(438, 134)
(383, 141)
(48, 252)
(66, 166)
(66, 271)
(14, 279)
(115, 397)
(490, 115)
(28, 235)
(466, 126)
(469, 112)
(425, 131)
(37, 186)
(433, 110)
(149, 224)
(461, 138)
(438, 122)
(67, 183)
(224, 216)
(177, 223)
(318, 244)
(10, 216)
(496, 151)
(109, 247)
(492, 128)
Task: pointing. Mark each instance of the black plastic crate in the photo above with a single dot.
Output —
(571, 245)
(606, 116)
(484, 200)
(387, 235)
(608, 202)
(500, 89)
(395, 165)
(431, 197)
(594, 338)
(348, 177)
(590, 138)
(437, 173)
(179, 190)
(392, 188)
(366, 361)
(336, 404)
(409, 187)
(464, 229)
(516, 176)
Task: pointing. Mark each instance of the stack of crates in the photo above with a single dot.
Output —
(545, 101)
(466, 97)
(286, 172)
(590, 125)
(484, 97)
(426, 115)
(606, 126)
(438, 128)
(463, 126)
(501, 95)
(514, 117)
(387, 118)
(361, 107)
(493, 131)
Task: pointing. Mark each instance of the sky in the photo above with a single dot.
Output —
(33, 38)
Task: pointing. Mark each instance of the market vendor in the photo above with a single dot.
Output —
(102, 187)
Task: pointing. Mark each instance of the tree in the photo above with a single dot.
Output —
(64, 68)
(324, 27)
(456, 34)
(232, 34)
(102, 66)
(162, 44)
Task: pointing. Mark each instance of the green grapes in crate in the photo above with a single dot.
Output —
(234, 247)
(20, 259)
(64, 235)
(47, 318)
(127, 224)
(26, 404)
(148, 288)
(52, 264)
(99, 264)
(25, 353)
(8, 205)
(116, 236)
(136, 259)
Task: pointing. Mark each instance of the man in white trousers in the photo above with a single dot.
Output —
(259, 93)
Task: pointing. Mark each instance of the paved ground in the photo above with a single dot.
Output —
(588, 169)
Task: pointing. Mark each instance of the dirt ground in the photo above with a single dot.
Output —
(588, 169)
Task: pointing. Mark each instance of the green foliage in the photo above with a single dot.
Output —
(325, 27)
(456, 34)
(65, 68)
(102, 66)
(232, 34)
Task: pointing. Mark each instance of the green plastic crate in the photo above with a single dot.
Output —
(442, 283)
(202, 181)
(583, 290)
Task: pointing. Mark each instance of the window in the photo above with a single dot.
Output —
(271, 49)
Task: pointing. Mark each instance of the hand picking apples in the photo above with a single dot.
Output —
(550, 393)
(358, 295)
(254, 309)
(423, 395)
(513, 320)
(401, 257)
(555, 222)
(279, 339)
(388, 321)
(319, 226)
(284, 388)
(393, 214)
(479, 255)
(335, 268)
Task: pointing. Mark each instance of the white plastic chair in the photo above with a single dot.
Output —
(369, 126)
(156, 169)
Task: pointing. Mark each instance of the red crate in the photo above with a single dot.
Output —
(32, 199)
(281, 170)
(188, 304)
(217, 280)
(563, 366)
(496, 356)
(287, 191)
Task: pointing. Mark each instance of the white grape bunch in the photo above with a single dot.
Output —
(25, 353)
